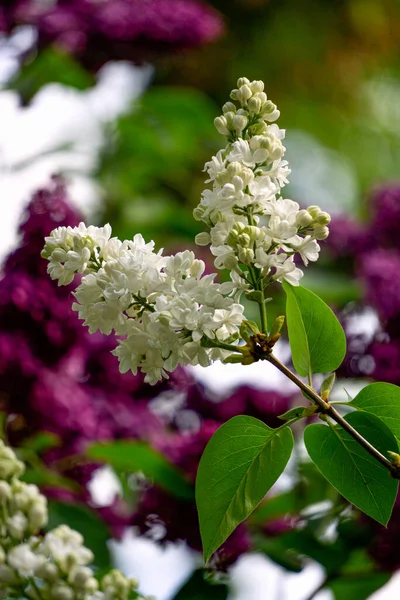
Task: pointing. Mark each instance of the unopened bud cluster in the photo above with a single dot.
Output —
(249, 223)
(162, 307)
(49, 567)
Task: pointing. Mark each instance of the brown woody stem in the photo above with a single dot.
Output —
(328, 409)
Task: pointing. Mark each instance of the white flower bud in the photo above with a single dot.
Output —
(79, 576)
(198, 213)
(202, 239)
(323, 218)
(48, 571)
(303, 218)
(314, 211)
(60, 591)
(243, 94)
(229, 118)
(254, 105)
(256, 234)
(239, 123)
(240, 227)
(234, 168)
(228, 107)
(10, 466)
(17, 525)
(24, 560)
(246, 255)
(59, 255)
(244, 240)
(256, 86)
(321, 232)
(230, 262)
(38, 516)
(2, 555)
(258, 128)
(262, 96)
(242, 81)
(220, 125)
(5, 491)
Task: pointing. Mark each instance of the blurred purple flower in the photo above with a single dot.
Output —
(379, 271)
(385, 208)
(137, 30)
(384, 547)
(347, 237)
(386, 361)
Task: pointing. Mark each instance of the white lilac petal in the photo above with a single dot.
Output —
(307, 247)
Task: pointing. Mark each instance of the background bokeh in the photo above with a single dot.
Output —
(106, 111)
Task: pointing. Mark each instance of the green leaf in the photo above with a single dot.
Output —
(130, 456)
(356, 475)
(317, 340)
(81, 518)
(358, 588)
(200, 588)
(293, 413)
(327, 385)
(240, 464)
(42, 441)
(383, 401)
(50, 66)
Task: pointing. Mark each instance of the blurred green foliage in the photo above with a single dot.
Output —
(152, 169)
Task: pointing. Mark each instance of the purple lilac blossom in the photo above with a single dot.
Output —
(384, 547)
(347, 237)
(135, 30)
(379, 271)
(385, 204)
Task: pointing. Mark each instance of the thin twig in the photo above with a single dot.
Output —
(329, 410)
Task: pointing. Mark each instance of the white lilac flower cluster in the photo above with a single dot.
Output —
(49, 567)
(250, 224)
(165, 312)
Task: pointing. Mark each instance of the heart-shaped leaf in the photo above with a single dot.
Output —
(317, 340)
(360, 478)
(382, 400)
(240, 464)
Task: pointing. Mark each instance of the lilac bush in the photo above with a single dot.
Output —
(57, 377)
(133, 30)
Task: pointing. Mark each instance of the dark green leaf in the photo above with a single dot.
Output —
(81, 518)
(50, 66)
(356, 475)
(358, 588)
(240, 464)
(382, 400)
(41, 442)
(43, 476)
(278, 551)
(200, 588)
(327, 385)
(332, 555)
(131, 457)
(293, 413)
(317, 340)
